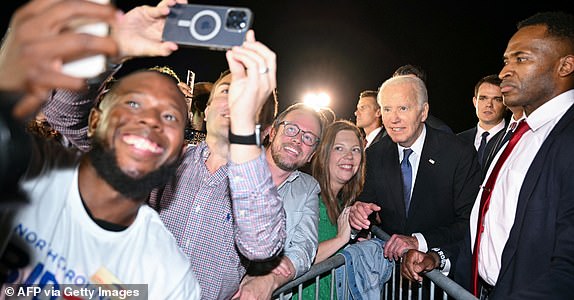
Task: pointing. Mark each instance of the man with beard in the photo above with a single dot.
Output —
(520, 242)
(77, 227)
(222, 208)
(294, 138)
(222, 205)
(86, 222)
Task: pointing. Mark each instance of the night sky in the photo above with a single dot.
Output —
(344, 47)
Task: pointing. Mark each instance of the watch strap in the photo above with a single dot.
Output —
(252, 139)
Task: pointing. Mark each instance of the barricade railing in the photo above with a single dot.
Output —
(396, 288)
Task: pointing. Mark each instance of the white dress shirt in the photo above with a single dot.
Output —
(415, 159)
(371, 136)
(491, 133)
(499, 218)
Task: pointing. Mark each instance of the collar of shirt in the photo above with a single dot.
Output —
(291, 177)
(552, 110)
(491, 132)
(511, 125)
(417, 147)
(372, 135)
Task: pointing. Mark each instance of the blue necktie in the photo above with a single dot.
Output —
(482, 147)
(407, 172)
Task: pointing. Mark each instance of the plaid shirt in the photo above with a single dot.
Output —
(197, 209)
(197, 206)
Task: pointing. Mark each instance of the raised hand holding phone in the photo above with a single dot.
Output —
(207, 26)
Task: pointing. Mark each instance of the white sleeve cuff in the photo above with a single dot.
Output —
(423, 247)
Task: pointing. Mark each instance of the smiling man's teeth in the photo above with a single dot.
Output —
(142, 144)
(292, 150)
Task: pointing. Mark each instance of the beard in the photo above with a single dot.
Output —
(106, 165)
(288, 166)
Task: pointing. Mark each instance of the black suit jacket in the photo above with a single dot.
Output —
(498, 142)
(379, 136)
(468, 137)
(445, 188)
(538, 259)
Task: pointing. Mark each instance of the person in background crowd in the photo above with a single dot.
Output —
(368, 115)
(490, 111)
(195, 131)
(524, 212)
(328, 114)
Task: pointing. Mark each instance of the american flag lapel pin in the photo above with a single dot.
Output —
(431, 161)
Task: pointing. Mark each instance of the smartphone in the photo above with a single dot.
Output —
(91, 66)
(207, 26)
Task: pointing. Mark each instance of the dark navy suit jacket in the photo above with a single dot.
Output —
(469, 135)
(445, 188)
(538, 259)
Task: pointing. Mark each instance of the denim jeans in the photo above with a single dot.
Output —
(365, 270)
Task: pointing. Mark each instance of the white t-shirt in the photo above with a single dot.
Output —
(68, 247)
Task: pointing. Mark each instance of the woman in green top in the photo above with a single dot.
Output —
(339, 166)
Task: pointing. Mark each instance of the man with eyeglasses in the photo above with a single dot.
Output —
(293, 139)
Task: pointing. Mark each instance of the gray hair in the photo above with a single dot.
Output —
(417, 84)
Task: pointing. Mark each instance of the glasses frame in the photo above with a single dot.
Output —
(299, 130)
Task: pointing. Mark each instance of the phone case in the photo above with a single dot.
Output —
(207, 26)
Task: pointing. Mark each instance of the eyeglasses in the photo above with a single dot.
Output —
(308, 138)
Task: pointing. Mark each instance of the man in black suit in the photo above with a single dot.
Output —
(526, 248)
(444, 178)
(490, 111)
(368, 115)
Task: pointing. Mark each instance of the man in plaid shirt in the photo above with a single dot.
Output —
(219, 208)
(222, 206)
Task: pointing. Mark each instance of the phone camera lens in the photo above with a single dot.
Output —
(236, 20)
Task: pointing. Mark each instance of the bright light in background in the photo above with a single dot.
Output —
(317, 100)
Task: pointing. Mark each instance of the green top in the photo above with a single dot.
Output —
(327, 231)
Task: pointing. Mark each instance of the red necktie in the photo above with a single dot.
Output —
(485, 199)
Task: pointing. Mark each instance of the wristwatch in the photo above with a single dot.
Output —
(441, 256)
(253, 139)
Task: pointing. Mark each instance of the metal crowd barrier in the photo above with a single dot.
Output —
(397, 288)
